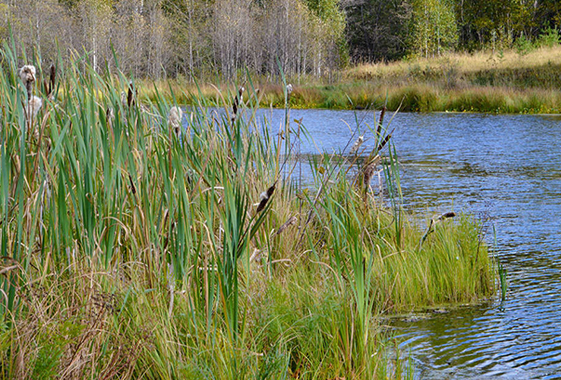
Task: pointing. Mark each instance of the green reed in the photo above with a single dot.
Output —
(146, 253)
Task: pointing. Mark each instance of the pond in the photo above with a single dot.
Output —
(505, 169)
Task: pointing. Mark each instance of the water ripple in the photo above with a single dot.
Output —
(519, 338)
(504, 167)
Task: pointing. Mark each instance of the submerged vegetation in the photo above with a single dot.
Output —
(131, 249)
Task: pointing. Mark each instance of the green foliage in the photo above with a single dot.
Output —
(434, 27)
(51, 347)
(523, 45)
(204, 39)
(139, 252)
(549, 37)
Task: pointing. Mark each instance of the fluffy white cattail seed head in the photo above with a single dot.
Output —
(34, 105)
(357, 145)
(175, 115)
(27, 74)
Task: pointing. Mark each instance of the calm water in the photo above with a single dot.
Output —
(507, 168)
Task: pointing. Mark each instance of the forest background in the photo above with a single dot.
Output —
(209, 39)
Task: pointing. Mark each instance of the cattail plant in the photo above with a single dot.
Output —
(356, 146)
(369, 167)
(28, 74)
(124, 99)
(110, 119)
(368, 172)
(433, 222)
(168, 229)
(33, 106)
(288, 91)
(50, 85)
(264, 198)
(237, 101)
(175, 116)
(128, 98)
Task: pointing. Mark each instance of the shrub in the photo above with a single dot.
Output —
(523, 45)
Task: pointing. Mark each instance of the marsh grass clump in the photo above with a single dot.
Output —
(128, 252)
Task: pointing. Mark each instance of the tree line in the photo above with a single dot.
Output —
(191, 38)
(392, 29)
(206, 38)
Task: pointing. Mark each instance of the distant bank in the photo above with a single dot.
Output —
(490, 82)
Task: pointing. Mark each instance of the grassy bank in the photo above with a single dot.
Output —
(131, 252)
(500, 82)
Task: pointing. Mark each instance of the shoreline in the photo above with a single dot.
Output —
(412, 98)
(481, 82)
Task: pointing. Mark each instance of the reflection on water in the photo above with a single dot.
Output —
(508, 167)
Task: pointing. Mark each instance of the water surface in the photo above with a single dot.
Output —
(507, 170)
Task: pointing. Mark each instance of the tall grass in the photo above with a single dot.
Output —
(131, 251)
(486, 81)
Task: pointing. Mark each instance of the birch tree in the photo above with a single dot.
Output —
(434, 27)
(94, 17)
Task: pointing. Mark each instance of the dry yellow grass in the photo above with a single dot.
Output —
(499, 82)
(462, 62)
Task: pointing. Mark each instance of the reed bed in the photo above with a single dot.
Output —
(486, 81)
(489, 93)
(132, 250)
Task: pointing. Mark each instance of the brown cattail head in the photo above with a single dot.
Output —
(50, 85)
(109, 116)
(133, 188)
(381, 121)
(384, 141)
(53, 75)
(264, 198)
(131, 95)
(447, 215)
